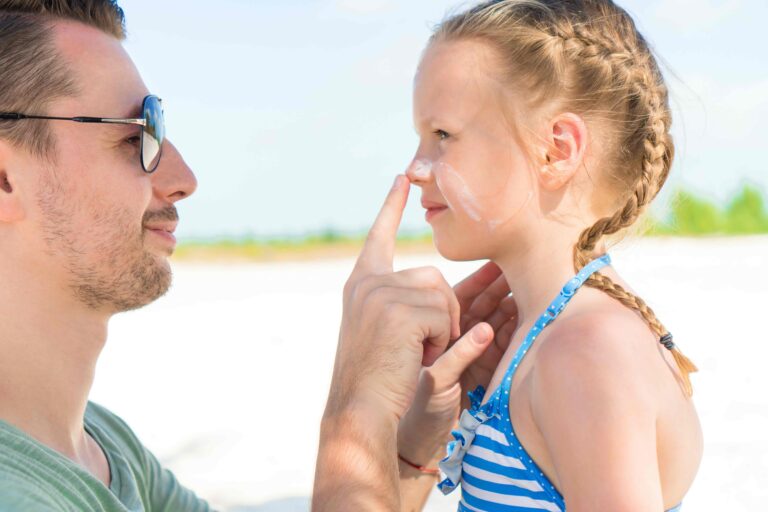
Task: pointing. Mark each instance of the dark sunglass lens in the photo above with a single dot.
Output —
(153, 133)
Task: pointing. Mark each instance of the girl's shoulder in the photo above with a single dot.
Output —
(600, 349)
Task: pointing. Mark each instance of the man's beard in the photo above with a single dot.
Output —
(108, 265)
(128, 277)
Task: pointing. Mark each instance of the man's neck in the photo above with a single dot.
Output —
(49, 345)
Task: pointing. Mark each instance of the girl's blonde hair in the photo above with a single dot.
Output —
(589, 58)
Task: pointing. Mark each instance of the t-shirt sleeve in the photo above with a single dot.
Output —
(160, 488)
(166, 494)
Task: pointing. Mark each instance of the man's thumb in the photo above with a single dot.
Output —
(449, 367)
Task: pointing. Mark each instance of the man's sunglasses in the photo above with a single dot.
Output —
(152, 128)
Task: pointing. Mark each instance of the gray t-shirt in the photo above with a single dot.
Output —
(35, 478)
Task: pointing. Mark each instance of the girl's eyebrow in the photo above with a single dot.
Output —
(432, 121)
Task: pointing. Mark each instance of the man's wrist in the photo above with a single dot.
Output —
(357, 460)
(414, 469)
(426, 450)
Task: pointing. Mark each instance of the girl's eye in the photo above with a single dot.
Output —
(441, 134)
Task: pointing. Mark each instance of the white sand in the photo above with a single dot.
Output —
(225, 378)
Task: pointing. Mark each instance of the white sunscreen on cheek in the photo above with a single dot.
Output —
(459, 197)
(453, 186)
(492, 210)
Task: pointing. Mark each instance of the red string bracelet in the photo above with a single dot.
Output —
(429, 471)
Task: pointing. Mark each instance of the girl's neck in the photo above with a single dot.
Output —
(537, 270)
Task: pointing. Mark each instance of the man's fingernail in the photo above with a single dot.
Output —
(481, 334)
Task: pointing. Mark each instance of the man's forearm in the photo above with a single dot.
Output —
(357, 462)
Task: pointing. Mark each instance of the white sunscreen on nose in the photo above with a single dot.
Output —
(422, 169)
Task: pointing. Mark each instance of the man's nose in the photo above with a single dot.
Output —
(173, 180)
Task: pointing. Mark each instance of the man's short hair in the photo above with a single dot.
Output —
(32, 73)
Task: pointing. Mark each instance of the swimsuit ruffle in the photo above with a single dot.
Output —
(463, 437)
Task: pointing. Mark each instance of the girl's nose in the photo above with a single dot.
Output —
(420, 171)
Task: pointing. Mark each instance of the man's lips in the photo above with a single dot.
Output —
(169, 227)
(164, 229)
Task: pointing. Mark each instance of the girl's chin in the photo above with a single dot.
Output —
(454, 248)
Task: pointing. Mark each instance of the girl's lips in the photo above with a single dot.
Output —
(428, 205)
(433, 212)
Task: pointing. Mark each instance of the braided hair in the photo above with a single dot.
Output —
(588, 56)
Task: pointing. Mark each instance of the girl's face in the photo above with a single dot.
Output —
(476, 180)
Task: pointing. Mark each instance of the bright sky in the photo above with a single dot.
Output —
(296, 115)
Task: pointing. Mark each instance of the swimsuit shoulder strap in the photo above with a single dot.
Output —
(552, 312)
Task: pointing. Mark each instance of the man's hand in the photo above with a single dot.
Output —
(442, 391)
(393, 322)
(484, 297)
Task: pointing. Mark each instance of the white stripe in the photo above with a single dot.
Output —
(468, 506)
(491, 433)
(515, 501)
(491, 456)
(531, 485)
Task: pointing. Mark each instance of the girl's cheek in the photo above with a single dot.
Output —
(457, 192)
(490, 202)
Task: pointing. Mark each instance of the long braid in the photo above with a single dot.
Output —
(658, 153)
(588, 56)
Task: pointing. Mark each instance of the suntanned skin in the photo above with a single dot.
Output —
(85, 237)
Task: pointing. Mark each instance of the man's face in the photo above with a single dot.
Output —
(101, 226)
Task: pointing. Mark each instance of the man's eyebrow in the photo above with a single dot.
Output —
(132, 113)
(127, 111)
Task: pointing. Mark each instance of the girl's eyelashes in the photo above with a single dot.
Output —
(441, 134)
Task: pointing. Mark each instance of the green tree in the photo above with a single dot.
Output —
(692, 215)
(746, 213)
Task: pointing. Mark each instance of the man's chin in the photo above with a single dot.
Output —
(148, 282)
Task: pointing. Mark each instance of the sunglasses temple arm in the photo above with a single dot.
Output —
(110, 120)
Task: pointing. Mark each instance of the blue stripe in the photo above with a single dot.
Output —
(520, 474)
(494, 446)
(506, 489)
(488, 506)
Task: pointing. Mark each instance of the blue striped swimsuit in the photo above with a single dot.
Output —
(495, 472)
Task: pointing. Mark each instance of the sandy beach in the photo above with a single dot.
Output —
(225, 378)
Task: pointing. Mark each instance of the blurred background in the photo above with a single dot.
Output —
(295, 116)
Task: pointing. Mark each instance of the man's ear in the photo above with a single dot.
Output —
(11, 206)
(566, 142)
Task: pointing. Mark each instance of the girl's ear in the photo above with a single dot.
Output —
(566, 140)
(11, 205)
